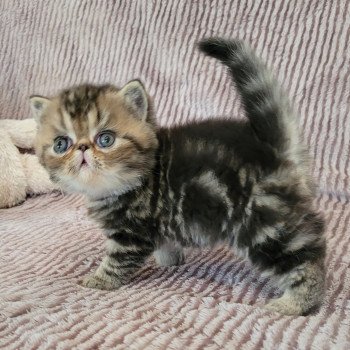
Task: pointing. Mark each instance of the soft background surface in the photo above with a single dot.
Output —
(213, 300)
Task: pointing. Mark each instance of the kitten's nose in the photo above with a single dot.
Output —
(83, 147)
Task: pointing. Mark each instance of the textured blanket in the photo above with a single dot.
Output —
(213, 301)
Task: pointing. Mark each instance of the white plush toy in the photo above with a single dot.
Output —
(20, 173)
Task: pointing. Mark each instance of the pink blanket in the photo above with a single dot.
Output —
(213, 301)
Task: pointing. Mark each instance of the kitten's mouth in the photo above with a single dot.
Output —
(84, 163)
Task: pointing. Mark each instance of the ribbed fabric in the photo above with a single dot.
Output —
(213, 300)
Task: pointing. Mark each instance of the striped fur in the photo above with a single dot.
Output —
(242, 183)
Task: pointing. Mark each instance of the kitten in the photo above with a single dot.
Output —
(156, 190)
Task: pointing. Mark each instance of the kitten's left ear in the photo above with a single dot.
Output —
(135, 97)
(38, 105)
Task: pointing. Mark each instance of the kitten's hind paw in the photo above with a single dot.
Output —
(285, 306)
(99, 282)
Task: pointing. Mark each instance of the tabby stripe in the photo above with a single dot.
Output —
(136, 144)
(156, 179)
(270, 255)
(128, 239)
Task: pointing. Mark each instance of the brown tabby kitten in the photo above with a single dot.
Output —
(156, 190)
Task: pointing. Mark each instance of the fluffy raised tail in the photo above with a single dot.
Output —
(266, 107)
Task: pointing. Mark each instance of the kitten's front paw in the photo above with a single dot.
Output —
(98, 282)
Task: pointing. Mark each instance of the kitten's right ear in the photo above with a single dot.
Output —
(38, 105)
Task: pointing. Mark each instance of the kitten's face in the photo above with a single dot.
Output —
(96, 140)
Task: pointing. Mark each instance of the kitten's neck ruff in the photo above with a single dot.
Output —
(97, 196)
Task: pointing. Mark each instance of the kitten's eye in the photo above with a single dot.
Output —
(105, 139)
(61, 144)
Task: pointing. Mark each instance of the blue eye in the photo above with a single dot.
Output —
(61, 144)
(105, 139)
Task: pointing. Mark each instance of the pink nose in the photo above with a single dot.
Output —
(83, 147)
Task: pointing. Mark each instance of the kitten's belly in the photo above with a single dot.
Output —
(200, 237)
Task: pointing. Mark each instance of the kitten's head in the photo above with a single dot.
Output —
(96, 140)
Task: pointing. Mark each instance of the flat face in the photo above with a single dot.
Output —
(92, 140)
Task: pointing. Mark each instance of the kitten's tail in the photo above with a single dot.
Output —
(266, 107)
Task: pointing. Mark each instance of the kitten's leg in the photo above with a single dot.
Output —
(303, 290)
(118, 266)
(169, 254)
(292, 254)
